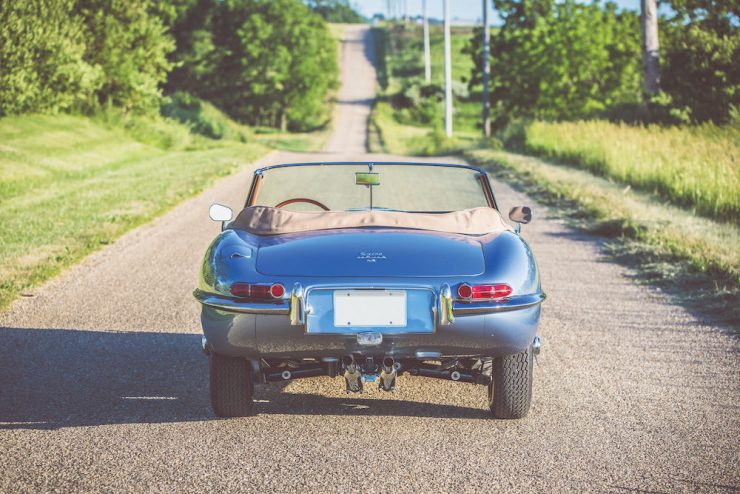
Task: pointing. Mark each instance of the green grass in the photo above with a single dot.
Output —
(694, 167)
(297, 142)
(693, 257)
(406, 52)
(389, 136)
(69, 185)
(204, 119)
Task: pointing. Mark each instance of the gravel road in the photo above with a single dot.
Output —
(103, 385)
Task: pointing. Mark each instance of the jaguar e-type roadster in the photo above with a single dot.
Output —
(369, 271)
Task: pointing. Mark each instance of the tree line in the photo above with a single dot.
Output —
(567, 60)
(264, 62)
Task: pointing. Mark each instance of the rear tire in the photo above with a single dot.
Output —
(510, 390)
(231, 386)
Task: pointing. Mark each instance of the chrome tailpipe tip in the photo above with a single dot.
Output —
(388, 375)
(353, 380)
(387, 380)
(389, 364)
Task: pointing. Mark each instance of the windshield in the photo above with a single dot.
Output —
(400, 187)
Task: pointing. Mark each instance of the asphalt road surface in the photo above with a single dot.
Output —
(103, 385)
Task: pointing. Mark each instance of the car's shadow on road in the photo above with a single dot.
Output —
(51, 378)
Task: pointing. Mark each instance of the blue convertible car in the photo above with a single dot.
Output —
(368, 271)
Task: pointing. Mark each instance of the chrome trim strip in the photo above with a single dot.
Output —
(512, 303)
(231, 305)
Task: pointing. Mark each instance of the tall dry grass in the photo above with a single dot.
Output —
(695, 167)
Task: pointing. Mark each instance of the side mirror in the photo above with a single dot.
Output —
(520, 214)
(217, 212)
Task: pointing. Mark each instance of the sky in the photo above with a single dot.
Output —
(462, 10)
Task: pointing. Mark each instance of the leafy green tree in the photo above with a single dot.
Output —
(263, 62)
(336, 11)
(42, 63)
(561, 60)
(701, 58)
(195, 56)
(130, 44)
(720, 16)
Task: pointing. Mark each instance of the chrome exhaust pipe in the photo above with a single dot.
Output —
(388, 375)
(352, 375)
(388, 364)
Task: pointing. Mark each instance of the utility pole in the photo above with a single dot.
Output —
(486, 69)
(448, 72)
(427, 55)
(650, 46)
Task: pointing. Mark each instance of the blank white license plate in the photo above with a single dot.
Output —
(369, 308)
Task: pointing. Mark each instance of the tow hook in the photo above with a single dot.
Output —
(352, 375)
(388, 375)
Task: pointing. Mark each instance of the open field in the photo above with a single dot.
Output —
(69, 185)
(694, 167)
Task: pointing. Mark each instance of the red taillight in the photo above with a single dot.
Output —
(277, 290)
(259, 291)
(465, 291)
(483, 292)
(240, 290)
(263, 292)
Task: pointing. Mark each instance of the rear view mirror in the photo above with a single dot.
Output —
(367, 178)
(520, 214)
(217, 212)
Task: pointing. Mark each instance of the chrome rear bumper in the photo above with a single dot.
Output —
(295, 306)
(278, 330)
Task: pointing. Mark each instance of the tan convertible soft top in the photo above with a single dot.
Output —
(262, 220)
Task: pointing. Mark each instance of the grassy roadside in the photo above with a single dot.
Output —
(693, 258)
(694, 167)
(204, 119)
(296, 142)
(70, 184)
